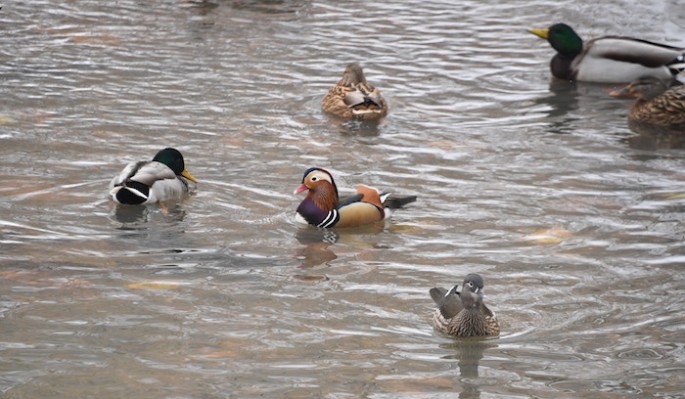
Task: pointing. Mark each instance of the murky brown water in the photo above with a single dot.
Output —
(536, 185)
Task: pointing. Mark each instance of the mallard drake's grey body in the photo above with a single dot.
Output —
(609, 59)
(463, 314)
(164, 178)
(354, 98)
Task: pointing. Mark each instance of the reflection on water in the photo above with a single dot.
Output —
(536, 184)
(468, 352)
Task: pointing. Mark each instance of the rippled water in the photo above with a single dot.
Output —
(538, 185)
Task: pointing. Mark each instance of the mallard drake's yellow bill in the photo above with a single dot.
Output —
(543, 33)
(188, 176)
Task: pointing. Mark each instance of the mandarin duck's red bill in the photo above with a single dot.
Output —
(463, 313)
(322, 206)
(354, 98)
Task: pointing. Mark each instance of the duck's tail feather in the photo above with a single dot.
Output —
(131, 193)
(395, 202)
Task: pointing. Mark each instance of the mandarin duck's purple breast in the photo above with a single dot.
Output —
(315, 215)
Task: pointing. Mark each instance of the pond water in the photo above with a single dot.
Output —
(538, 185)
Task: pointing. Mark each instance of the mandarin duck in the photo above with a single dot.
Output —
(656, 105)
(463, 314)
(145, 182)
(609, 59)
(354, 98)
(323, 208)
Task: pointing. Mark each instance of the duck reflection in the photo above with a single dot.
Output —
(654, 138)
(355, 127)
(563, 98)
(317, 244)
(468, 352)
(135, 217)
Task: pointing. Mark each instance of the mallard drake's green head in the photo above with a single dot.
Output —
(172, 158)
(562, 38)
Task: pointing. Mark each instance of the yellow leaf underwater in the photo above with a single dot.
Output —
(552, 235)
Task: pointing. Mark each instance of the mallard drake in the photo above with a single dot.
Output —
(656, 104)
(609, 59)
(145, 182)
(323, 208)
(354, 98)
(463, 314)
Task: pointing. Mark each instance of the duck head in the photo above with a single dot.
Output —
(353, 75)
(172, 158)
(561, 37)
(320, 187)
(643, 88)
(472, 291)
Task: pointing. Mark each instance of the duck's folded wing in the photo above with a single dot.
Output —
(448, 301)
(358, 214)
(128, 172)
(635, 51)
(151, 172)
(437, 293)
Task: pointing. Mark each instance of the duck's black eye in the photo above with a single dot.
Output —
(314, 178)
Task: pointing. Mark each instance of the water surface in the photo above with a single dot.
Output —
(538, 185)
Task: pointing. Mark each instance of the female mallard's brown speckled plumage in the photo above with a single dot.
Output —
(463, 314)
(354, 98)
(656, 105)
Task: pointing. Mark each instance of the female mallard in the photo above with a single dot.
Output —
(463, 314)
(609, 59)
(353, 98)
(147, 182)
(656, 104)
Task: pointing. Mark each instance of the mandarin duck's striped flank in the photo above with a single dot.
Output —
(656, 105)
(164, 178)
(354, 98)
(322, 206)
(463, 314)
(609, 59)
